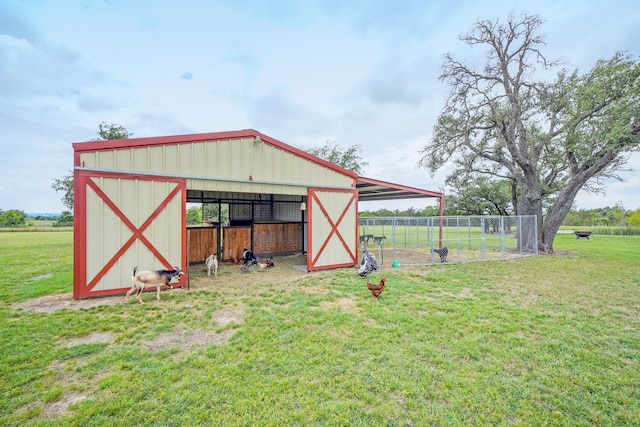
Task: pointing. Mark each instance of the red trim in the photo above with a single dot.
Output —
(83, 179)
(312, 258)
(441, 211)
(115, 144)
(79, 233)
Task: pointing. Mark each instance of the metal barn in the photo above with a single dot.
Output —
(131, 196)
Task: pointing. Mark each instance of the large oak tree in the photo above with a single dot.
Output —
(550, 139)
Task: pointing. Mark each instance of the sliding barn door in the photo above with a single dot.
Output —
(123, 221)
(333, 228)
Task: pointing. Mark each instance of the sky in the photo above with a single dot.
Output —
(305, 72)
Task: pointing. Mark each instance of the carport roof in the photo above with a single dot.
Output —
(370, 189)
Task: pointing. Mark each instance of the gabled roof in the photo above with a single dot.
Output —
(114, 144)
(368, 188)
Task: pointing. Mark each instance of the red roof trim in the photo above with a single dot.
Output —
(80, 147)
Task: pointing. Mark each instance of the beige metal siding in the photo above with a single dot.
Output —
(237, 164)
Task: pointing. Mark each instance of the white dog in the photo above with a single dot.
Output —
(212, 264)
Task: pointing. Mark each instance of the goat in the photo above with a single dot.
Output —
(364, 238)
(144, 278)
(378, 239)
(442, 252)
(212, 264)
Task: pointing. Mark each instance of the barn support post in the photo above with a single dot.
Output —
(441, 212)
(188, 259)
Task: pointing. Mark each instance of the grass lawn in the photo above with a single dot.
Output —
(547, 340)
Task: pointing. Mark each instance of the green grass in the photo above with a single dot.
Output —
(548, 340)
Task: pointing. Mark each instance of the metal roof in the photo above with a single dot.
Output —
(370, 189)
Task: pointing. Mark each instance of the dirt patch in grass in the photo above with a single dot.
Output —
(183, 339)
(186, 340)
(51, 303)
(94, 338)
(228, 315)
(229, 278)
(61, 407)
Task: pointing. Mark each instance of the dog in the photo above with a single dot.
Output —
(212, 264)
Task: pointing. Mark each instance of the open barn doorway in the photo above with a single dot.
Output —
(267, 224)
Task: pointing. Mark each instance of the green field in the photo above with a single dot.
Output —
(545, 340)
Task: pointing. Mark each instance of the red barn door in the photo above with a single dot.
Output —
(123, 221)
(333, 228)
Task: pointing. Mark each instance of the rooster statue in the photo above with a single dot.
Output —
(376, 290)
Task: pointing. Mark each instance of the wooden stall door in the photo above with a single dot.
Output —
(277, 238)
(203, 241)
(235, 239)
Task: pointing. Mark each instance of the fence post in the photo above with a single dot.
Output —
(520, 234)
(502, 236)
(482, 239)
(535, 229)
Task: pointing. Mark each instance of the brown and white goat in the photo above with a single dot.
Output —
(144, 278)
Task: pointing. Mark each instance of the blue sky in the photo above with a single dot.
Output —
(304, 72)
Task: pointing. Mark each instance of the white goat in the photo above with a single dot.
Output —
(142, 279)
(212, 264)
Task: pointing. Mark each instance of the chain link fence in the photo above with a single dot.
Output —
(408, 241)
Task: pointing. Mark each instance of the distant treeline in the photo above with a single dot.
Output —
(43, 217)
(616, 216)
(15, 218)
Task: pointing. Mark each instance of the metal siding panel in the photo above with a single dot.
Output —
(170, 159)
(140, 159)
(123, 159)
(199, 160)
(235, 159)
(223, 168)
(88, 159)
(156, 160)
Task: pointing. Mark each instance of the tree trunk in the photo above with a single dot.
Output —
(530, 203)
(561, 208)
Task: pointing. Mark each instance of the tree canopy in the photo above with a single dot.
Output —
(108, 131)
(12, 218)
(347, 158)
(549, 140)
